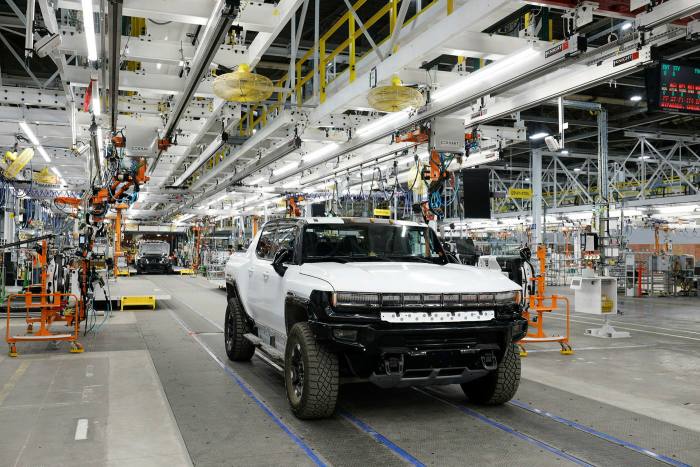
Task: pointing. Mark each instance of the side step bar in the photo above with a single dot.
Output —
(271, 352)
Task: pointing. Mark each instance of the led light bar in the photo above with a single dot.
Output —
(425, 300)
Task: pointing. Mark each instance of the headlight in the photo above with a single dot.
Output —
(416, 300)
(507, 298)
(355, 299)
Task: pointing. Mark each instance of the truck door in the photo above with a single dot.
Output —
(260, 272)
(274, 284)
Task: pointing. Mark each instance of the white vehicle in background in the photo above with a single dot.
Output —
(370, 300)
(153, 256)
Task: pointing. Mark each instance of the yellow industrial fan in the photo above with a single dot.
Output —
(243, 85)
(45, 177)
(14, 163)
(394, 97)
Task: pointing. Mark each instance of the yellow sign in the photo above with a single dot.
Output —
(382, 212)
(520, 193)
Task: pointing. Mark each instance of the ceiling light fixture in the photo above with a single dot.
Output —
(324, 151)
(89, 26)
(540, 135)
(636, 98)
(256, 181)
(480, 158)
(99, 142)
(626, 25)
(96, 104)
(30, 134)
(35, 141)
(380, 124)
(496, 67)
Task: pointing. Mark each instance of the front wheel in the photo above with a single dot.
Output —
(311, 375)
(499, 386)
(238, 348)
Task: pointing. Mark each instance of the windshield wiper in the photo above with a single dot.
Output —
(322, 259)
(372, 257)
(419, 258)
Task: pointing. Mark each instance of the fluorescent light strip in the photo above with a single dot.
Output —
(381, 123)
(484, 73)
(256, 181)
(317, 154)
(35, 141)
(30, 134)
(89, 26)
(96, 103)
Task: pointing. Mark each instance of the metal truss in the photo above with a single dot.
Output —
(647, 175)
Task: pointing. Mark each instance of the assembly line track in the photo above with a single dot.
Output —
(402, 453)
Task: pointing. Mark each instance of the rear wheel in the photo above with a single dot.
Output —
(499, 386)
(238, 348)
(311, 375)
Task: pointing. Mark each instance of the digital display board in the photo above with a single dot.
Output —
(674, 87)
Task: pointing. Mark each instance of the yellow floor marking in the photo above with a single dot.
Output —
(9, 386)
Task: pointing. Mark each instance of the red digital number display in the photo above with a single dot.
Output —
(679, 88)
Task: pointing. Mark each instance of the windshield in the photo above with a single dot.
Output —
(370, 242)
(155, 248)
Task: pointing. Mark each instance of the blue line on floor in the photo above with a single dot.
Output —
(246, 389)
(599, 434)
(510, 431)
(380, 438)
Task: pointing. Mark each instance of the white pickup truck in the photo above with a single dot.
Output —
(336, 300)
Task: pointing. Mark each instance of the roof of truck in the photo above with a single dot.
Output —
(359, 220)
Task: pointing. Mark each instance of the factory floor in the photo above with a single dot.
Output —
(154, 388)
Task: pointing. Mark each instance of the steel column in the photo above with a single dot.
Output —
(536, 181)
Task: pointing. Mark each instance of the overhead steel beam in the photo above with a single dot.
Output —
(398, 24)
(364, 30)
(114, 13)
(29, 29)
(19, 59)
(256, 16)
(284, 120)
(214, 33)
(145, 49)
(263, 40)
(667, 12)
(155, 83)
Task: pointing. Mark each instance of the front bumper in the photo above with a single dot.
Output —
(391, 355)
(153, 267)
(380, 337)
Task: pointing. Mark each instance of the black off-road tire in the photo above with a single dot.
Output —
(499, 386)
(320, 383)
(238, 348)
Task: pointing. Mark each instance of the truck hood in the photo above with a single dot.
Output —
(406, 277)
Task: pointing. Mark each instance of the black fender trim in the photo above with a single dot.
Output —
(297, 309)
(232, 294)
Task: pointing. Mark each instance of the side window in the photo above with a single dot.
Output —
(267, 245)
(286, 236)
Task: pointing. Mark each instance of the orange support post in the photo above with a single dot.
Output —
(118, 236)
(539, 304)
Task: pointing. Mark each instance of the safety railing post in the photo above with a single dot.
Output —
(322, 70)
(298, 86)
(351, 52)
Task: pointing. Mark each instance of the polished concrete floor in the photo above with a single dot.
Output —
(155, 388)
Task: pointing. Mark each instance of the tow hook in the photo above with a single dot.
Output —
(393, 364)
(488, 359)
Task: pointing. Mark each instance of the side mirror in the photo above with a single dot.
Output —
(283, 255)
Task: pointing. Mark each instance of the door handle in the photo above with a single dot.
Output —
(266, 275)
(250, 271)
